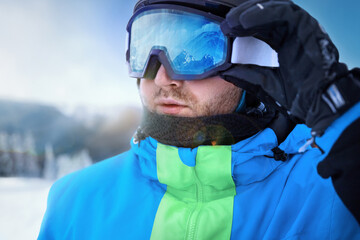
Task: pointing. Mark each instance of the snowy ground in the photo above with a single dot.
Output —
(22, 206)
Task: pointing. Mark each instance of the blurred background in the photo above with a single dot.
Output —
(66, 101)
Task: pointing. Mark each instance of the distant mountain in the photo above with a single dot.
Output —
(207, 40)
(189, 58)
(112, 135)
(45, 123)
(65, 133)
(187, 63)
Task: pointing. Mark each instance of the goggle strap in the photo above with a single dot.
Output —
(250, 50)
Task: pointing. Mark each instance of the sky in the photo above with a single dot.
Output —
(72, 52)
(65, 52)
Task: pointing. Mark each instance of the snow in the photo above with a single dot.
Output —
(22, 206)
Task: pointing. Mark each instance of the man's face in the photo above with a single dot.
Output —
(207, 97)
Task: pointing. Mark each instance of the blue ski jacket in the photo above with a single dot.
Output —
(156, 191)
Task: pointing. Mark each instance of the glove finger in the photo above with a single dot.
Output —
(232, 18)
(245, 19)
(255, 78)
(271, 21)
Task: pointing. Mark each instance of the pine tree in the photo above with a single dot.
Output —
(50, 167)
(17, 154)
(32, 168)
(6, 163)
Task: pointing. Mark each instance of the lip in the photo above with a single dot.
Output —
(169, 106)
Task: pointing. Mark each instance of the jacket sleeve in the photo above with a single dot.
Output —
(56, 215)
(47, 229)
(341, 145)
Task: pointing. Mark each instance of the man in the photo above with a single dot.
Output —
(223, 150)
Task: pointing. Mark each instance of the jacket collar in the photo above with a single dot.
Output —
(252, 158)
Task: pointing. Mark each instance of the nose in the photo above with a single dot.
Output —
(163, 80)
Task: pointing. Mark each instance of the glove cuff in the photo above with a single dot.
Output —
(337, 98)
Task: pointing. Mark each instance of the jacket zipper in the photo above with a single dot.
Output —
(192, 226)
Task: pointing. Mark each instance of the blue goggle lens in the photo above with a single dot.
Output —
(193, 44)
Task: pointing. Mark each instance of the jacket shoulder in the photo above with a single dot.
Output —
(100, 171)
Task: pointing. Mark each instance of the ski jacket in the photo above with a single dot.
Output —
(156, 191)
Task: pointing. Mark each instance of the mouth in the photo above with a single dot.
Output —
(169, 106)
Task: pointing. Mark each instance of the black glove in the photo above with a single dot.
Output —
(343, 166)
(310, 84)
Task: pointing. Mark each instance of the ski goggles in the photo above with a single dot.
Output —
(189, 43)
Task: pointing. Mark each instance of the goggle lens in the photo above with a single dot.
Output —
(193, 44)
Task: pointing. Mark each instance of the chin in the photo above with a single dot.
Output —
(175, 111)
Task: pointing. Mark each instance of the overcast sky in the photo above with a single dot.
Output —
(65, 52)
(71, 52)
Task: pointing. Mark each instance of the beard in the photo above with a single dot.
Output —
(220, 102)
(210, 120)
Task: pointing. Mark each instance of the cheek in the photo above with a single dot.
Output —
(216, 96)
(205, 91)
